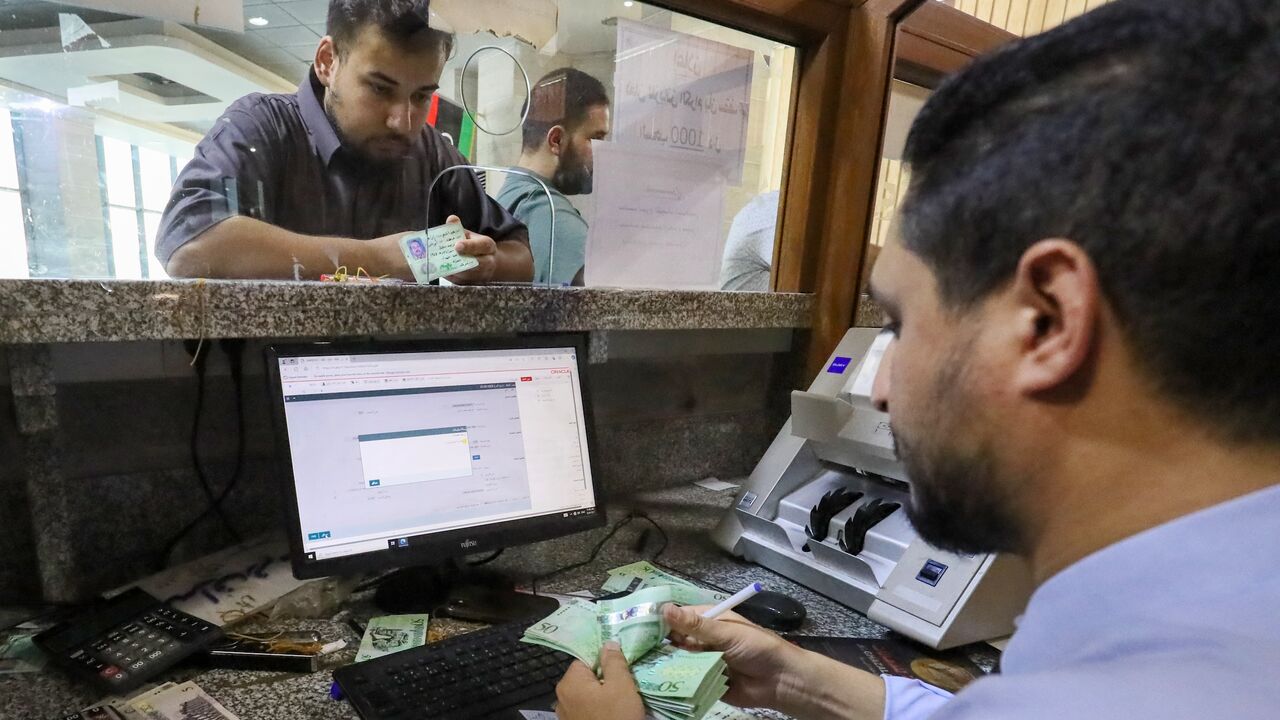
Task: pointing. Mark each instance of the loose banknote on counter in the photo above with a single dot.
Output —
(19, 655)
(674, 684)
(162, 702)
(391, 634)
(643, 574)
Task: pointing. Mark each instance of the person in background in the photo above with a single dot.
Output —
(748, 251)
(292, 186)
(567, 110)
(1085, 325)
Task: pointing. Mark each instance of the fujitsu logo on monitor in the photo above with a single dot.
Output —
(469, 543)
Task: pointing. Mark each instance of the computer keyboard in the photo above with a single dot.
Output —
(483, 674)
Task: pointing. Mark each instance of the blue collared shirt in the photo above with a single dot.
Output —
(524, 198)
(1179, 622)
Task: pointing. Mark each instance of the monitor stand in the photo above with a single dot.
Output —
(463, 593)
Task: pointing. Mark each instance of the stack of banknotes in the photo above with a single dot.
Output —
(674, 683)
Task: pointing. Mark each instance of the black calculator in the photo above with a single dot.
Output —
(119, 644)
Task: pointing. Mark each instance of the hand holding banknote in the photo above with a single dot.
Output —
(583, 696)
(761, 664)
(766, 671)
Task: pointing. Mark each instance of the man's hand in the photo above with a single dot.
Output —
(480, 247)
(388, 258)
(582, 697)
(767, 671)
(761, 664)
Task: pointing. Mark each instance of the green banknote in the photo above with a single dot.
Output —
(392, 633)
(635, 621)
(675, 684)
(680, 683)
(571, 629)
(643, 574)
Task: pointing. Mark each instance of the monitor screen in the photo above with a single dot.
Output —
(413, 453)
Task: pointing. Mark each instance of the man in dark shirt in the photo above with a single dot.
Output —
(292, 186)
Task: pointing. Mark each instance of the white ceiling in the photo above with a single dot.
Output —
(224, 64)
(286, 44)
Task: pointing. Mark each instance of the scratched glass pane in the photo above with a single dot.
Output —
(103, 104)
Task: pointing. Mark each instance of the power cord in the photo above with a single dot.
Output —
(595, 551)
(487, 559)
(199, 355)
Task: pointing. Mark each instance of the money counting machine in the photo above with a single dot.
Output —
(826, 508)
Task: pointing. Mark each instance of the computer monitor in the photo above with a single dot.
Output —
(401, 454)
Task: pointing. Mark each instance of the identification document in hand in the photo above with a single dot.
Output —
(433, 254)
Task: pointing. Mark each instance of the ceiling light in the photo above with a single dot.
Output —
(628, 3)
(258, 21)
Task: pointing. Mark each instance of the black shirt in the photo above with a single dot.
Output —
(277, 158)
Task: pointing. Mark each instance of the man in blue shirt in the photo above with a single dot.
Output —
(567, 110)
(1087, 321)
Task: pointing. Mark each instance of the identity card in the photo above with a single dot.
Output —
(433, 254)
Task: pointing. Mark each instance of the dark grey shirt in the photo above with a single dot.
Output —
(277, 158)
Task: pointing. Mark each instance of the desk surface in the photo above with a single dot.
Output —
(686, 514)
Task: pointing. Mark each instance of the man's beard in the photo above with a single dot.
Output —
(958, 502)
(362, 151)
(572, 176)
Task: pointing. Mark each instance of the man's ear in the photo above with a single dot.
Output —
(326, 62)
(1057, 300)
(556, 138)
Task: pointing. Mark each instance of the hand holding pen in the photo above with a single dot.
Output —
(762, 667)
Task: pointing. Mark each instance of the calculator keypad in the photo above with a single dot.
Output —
(144, 646)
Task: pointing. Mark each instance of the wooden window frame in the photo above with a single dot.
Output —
(848, 53)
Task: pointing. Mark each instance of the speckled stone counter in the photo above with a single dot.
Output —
(685, 514)
(52, 311)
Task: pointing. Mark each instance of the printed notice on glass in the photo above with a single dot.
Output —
(684, 93)
(658, 217)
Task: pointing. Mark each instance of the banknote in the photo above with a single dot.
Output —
(20, 655)
(674, 684)
(635, 621)
(130, 707)
(679, 683)
(391, 634)
(643, 574)
(572, 629)
(182, 702)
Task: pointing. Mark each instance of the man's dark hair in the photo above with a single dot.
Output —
(405, 22)
(1147, 132)
(562, 97)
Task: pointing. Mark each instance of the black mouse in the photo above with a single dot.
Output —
(772, 610)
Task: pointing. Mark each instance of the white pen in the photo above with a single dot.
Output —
(732, 602)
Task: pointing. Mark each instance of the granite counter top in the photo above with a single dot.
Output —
(52, 311)
(685, 514)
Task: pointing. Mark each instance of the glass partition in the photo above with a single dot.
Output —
(103, 104)
(905, 102)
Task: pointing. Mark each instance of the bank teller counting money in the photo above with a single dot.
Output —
(1085, 325)
(293, 186)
